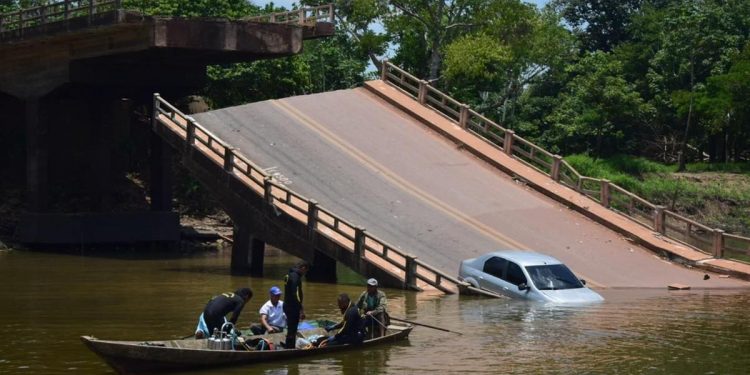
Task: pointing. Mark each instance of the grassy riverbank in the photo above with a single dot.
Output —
(717, 195)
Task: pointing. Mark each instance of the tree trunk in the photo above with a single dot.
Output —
(683, 146)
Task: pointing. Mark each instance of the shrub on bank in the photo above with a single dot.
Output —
(717, 195)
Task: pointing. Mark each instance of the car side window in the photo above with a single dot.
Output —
(495, 266)
(515, 274)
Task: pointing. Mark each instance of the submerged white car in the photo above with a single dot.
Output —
(526, 275)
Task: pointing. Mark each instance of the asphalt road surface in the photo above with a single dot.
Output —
(379, 168)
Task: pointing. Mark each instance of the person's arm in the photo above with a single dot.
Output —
(381, 304)
(361, 301)
(299, 298)
(264, 322)
(239, 303)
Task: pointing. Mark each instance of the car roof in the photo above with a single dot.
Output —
(524, 258)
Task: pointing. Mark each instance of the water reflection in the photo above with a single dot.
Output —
(48, 300)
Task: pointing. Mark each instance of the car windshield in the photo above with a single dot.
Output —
(553, 277)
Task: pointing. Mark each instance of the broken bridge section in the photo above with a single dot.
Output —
(284, 218)
(71, 75)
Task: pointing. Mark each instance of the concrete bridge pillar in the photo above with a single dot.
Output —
(37, 154)
(162, 173)
(322, 269)
(257, 254)
(248, 252)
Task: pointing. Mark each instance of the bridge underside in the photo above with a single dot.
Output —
(69, 91)
(134, 50)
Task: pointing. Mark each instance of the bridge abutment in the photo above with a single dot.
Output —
(37, 153)
(322, 269)
(248, 251)
(161, 162)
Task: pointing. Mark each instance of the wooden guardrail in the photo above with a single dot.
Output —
(652, 216)
(302, 16)
(54, 12)
(318, 219)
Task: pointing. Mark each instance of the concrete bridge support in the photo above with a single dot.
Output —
(79, 145)
(248, 251)
(37, 154)
(162, 173)
(322, 269)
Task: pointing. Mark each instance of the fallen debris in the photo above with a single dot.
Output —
(678, 287)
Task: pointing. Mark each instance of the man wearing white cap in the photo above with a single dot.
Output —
(272, 318)
(372, 303)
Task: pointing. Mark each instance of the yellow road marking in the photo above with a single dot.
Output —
(399, 181)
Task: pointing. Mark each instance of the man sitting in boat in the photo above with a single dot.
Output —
(214, 315)
(372, 303)
(272, 318)
(350, 328)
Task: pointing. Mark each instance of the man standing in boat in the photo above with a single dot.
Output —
(214, 315)
(372, 302)
(293, 301)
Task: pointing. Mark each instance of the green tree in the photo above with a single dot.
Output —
(724, 104)
(194, 8)
(516, 47)
(599, 24)
(698, 39)
(599, 111)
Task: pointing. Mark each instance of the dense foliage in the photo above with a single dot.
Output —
(643, 77)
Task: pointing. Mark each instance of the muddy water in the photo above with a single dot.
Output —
(48, 300)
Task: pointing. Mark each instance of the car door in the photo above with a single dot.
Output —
(493, 274)
(514, 276)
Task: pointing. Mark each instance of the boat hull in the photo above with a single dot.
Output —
(139, 357)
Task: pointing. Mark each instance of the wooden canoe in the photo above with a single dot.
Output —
(139, 357)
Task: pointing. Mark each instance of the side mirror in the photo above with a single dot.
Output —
(583, 281)
(523, 286)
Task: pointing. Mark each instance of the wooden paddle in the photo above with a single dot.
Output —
(425, 325)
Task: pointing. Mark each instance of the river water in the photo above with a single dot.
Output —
(48, 300)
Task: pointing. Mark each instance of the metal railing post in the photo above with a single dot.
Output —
(718, 250)
(312, 218)
(190, 134)
(411, 271)
(91, 11)
(463, 116)
(422, 95)
(604, 194)
(267, 190)
(229, 160)
(155, 111)
(42, 16)
(508, 143)
(555, 172)
(359, 242)
(384, 71)
(659, 219)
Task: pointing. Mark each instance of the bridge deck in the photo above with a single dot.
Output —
(376, 166)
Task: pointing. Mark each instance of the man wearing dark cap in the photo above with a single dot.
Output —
(214, 315)
(293, 301)
(372, 303)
